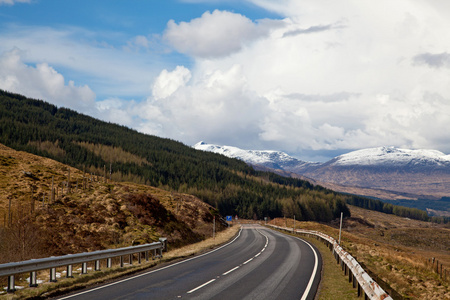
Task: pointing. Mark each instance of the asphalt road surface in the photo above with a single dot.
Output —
(258, 264)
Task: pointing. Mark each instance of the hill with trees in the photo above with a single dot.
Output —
(48, 208)
(123, 154)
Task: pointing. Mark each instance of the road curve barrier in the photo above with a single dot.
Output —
(10, 270)
(356, 274)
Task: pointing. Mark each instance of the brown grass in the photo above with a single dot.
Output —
(94, 214)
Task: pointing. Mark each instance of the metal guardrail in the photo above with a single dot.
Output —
(350, 266)
(51, 263)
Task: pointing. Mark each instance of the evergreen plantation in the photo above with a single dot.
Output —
(230, 185)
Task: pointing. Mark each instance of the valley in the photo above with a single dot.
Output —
(70, 183)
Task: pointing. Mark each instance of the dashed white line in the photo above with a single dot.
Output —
(153, 271)
(200, 286)
(228, 272)
(235, 268)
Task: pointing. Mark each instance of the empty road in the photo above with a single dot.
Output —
(258, 264)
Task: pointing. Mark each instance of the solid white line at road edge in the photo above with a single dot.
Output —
(153, 271)
(313, 275)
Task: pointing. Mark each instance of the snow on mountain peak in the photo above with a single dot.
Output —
(392, 156)
(380, 156)
(249, 156)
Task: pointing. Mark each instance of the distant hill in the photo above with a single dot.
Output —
(229, 185)
(388, 173)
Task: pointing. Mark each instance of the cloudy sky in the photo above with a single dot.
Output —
(312, 78)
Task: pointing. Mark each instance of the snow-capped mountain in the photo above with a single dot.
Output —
(387, 157)
(391, 156)
(384, 172)
(267, 158)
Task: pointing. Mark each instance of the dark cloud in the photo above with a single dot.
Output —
(312, 29)
(441, 60)
(335, 97)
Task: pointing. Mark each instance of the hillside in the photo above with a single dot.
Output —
(87, 212)
(229, 185)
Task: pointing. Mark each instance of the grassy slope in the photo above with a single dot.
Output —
(104, 215)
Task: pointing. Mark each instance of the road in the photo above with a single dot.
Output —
(258, 264)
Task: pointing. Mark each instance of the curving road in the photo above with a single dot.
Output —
(258, 264)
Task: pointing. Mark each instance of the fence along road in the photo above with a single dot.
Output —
(361, 280)
(258, 264)
(51, 263)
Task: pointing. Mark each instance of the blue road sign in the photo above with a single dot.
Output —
(230, 218)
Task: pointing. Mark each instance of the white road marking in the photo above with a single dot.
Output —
(248, 261)
(313, 275)
(200, 286)
(237, 267)
(228, 272)
(150, 272)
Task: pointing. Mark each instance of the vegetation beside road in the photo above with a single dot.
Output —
(396, 252)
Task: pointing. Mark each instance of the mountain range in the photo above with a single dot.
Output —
(416, 178)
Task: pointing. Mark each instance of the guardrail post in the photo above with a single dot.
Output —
(11, 285)
(53, 275)
(84, 268)
(359, 290)
(164, 244)
(69, 271)
(9, 270)
(33, 279)
(97, 265)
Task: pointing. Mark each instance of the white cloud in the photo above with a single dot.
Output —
(215, 34)
(330, 76)
(334, 77)
(115, 110)
(327, 72)
(215, 106)
(41, 82)
(12, 2)
(88, 56)
(169, 82)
